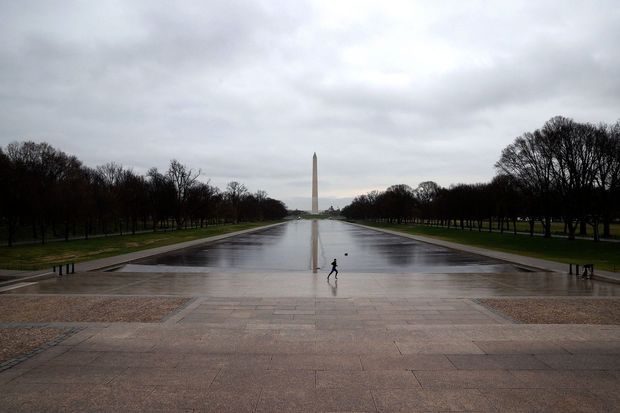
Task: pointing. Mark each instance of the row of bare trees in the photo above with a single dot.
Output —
(566, 171)
(46, 193)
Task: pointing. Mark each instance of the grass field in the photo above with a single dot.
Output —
(34, 257)
(604, 255)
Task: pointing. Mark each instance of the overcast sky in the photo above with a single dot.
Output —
(385, 92)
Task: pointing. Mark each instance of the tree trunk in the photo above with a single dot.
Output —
(547, 226)
(571, 230)
(595, 232)
(11, 232)
(583, 231)
(606, 227)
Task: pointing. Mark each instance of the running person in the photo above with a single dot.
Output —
(334, 270)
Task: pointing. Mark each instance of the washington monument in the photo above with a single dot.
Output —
(315, 187)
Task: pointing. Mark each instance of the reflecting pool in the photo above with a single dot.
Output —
(311, 245)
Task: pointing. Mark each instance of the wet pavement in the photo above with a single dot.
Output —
(306, 245)
(297, 284)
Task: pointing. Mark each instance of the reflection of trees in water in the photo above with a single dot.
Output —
(379, 250)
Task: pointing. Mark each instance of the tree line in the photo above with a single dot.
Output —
(48, 193)
(565, 171)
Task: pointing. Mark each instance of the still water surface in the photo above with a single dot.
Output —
(306, 245)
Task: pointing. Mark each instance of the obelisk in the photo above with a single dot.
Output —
(315, 187)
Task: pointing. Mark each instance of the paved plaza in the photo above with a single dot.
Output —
(292, 341)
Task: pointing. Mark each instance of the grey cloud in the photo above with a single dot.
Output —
(248, 90)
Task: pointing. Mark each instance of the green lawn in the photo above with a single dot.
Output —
(37, 256)
(604, 255)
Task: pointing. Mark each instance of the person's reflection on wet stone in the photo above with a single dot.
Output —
(333, 287)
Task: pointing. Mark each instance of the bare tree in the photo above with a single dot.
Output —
(574, 168)
(183, 179)
(528, 160)
(607, 177)
(234, 192)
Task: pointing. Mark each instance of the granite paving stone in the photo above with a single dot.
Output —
(230, 361)
(518, 400)
(170, 398)
(591, 347)
(70, 374)
(106, 398)
(468, 379)
(76, 358)
(376, 379)
(344, 400)
(520, 347)
(237, 401)
(567, 379)
(171, 376)
(406, 362)
(496, 362)
(611, 397)
(581, 400)
(438, 347)
(431, 401)
(581, 361)
(356, 347)
(42, 397)
(268, 379)
(315, 362)
(400, 400)
(287, 400)
(127, 359)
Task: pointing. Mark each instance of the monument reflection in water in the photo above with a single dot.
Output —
(314, 245)
(284, 248)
